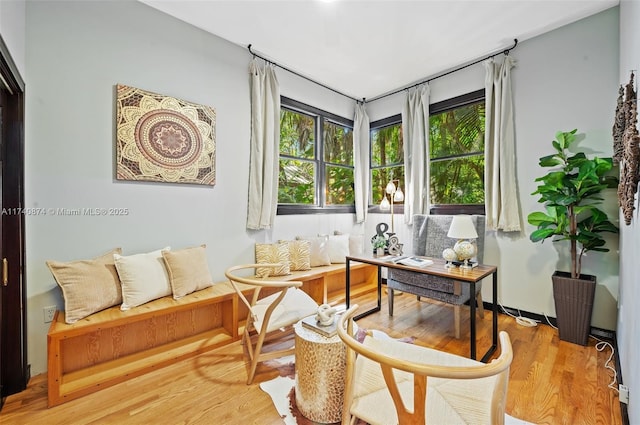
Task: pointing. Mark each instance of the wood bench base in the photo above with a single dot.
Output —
(112, 346)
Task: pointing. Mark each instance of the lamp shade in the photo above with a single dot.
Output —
(385, 205)
(462, 228)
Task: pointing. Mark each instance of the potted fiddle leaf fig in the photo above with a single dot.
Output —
(571, 192)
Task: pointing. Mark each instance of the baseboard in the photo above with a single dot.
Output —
(595, 331)
(610, 335)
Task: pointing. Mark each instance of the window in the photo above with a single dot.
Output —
(456, 150)
(316, 160)
(387, 157)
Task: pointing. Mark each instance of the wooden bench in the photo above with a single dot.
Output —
(112, 346)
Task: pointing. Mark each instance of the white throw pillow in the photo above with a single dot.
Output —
(338, 248)
(144, 278)
(356, 242)
(319, 250)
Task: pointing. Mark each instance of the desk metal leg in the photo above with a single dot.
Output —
(494, 324)
(472, 310)
(347, 275)
(378, 306)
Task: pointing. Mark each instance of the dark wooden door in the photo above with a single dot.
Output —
(14, 369)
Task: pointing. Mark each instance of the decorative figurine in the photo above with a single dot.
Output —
(326, 315)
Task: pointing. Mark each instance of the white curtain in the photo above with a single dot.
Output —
(501, 200)
(361, 161)
(415, 133)
(265, 140)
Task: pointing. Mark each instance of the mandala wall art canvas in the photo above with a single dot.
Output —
(164, 139)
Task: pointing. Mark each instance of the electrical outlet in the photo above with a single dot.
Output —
(49, 312)
(623, 394)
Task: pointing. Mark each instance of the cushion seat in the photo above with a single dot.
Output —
(448, 401)
(295, 306)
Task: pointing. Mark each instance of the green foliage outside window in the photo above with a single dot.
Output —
(338, 150)
(387, 157)
(456, 148)
(299, 170)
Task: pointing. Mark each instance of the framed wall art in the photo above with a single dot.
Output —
(626, 148)
(164, 139)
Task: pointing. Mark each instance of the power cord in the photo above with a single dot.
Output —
(600, 345)
(520, 319)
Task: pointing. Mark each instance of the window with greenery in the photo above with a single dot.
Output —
(387, 156)
(456, 150)
(316, 160)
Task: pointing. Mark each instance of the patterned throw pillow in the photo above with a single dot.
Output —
(88, 286)
(272, 253)
(299, 255)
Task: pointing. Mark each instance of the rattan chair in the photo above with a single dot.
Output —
(271, 315)
(393, 382)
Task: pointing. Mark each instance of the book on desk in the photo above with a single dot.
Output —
(327, 331)
(408, 260)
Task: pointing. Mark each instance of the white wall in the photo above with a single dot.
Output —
(563, 79)
(77, 51)
(628, 332)
(12, 30)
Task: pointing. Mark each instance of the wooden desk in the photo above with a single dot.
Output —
(468, 276)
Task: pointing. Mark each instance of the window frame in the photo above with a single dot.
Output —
(444, 106)
(320, 117)
(435, 108)
(375, 125)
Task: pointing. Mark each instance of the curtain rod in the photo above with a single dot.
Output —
(302, 76)
(505, 52)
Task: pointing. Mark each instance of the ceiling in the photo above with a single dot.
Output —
(368, 48)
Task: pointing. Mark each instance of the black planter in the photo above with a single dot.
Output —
(574, 304)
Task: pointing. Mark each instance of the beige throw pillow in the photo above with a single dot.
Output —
(88, 286)
(188, 270)
(272, 253)
(144, 278)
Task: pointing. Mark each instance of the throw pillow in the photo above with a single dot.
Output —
(188, 270)
(144, 278)
(272, 253)
(356, 242)
(318, 250)
(299, 255)
(88, 286)
(338, 248)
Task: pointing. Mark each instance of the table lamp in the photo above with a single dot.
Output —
(463, 230)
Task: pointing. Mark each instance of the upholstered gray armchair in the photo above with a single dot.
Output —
(430, 239)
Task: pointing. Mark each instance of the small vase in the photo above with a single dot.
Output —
(380, 252)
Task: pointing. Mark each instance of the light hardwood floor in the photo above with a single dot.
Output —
(551, 381)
